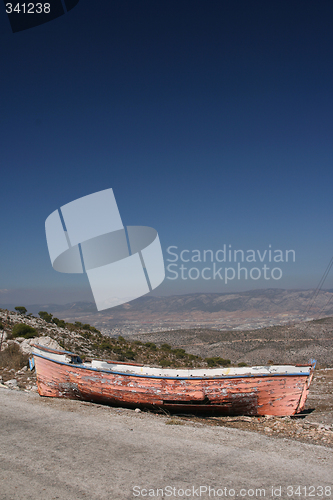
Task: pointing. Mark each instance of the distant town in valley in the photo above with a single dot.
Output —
(229, 311)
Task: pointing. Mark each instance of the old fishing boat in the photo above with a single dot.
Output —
(259, 390)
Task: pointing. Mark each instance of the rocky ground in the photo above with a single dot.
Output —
(314, 425)
(293, 343)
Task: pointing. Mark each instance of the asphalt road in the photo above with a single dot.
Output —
(69, 450)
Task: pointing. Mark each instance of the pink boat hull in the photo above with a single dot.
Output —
(279, 395)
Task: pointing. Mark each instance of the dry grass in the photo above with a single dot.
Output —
(13, 358)
(174, 421)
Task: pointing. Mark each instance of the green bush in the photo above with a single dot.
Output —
(117, 349)
(165, 362)
(70, 327)
(241, 364)
(179, 353)
(151, 346)
(217, 361)
(59, 322)
(23, 330)
(210, 362)
(86, 335)
(105, 344)
(45, 316)
(129, 354)
(86, 326)
(21, 309)
(166, 347)
(93, 329)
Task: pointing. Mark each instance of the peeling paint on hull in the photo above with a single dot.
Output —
(279, 395)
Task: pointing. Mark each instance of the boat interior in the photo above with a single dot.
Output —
(137, 369)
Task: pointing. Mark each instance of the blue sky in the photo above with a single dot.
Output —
(211, 121)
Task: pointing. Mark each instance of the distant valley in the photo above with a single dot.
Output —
(230, 311)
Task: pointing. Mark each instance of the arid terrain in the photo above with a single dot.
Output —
(294, 343)
(278, 344)
(56, 448)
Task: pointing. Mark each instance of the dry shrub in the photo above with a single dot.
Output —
(13, 357)
(174, 421)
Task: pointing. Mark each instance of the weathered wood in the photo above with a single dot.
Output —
(260, 392)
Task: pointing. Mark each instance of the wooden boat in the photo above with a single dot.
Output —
(259, 390)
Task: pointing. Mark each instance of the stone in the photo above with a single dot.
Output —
(26, 345)
(12, 383)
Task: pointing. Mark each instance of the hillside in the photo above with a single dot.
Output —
(20, 332)
(295, 343)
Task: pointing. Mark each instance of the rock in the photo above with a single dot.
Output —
(245, 419)
(20, 372)
(10, 342)
(137, 410)
(12, 383)
(26, 345)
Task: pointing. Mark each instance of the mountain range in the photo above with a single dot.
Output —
(268, 300)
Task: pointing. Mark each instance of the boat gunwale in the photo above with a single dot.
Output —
(212, 377)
